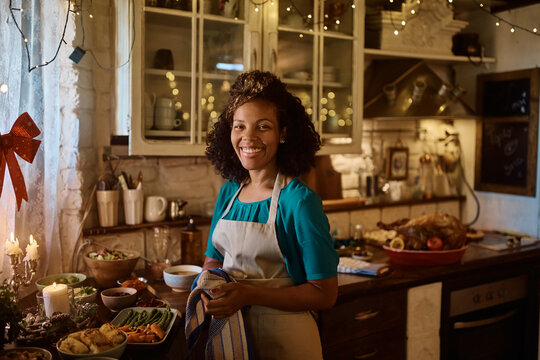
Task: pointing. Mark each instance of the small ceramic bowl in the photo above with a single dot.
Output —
(180, 277)
(70, 279)
(118, 298)
(83, 297)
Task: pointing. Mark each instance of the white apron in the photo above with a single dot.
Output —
(252, 255)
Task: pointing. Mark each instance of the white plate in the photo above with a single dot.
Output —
(124, 313)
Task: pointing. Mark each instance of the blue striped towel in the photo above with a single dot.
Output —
(227, 338)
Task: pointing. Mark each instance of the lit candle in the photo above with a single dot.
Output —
(32, 249)
(12, 246)
(56, 299)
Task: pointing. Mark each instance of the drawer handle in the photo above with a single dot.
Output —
(365, 315)
(366, 356)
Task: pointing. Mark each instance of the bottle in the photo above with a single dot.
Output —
(358, 236)
(191, 240)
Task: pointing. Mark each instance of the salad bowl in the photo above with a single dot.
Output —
(107, 266)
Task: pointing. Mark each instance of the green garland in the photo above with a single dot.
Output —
(10, 315)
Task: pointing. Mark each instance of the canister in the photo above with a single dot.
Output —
(191, 240)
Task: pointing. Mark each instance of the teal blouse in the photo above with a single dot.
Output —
(302, 229)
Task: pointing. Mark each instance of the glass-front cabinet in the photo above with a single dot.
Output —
(187, 53)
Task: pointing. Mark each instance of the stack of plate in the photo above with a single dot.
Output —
(329, 73)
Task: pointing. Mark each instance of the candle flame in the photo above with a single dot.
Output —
(32, 240)
(12, 238)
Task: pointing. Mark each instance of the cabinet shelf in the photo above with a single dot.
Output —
(189, 75)
(389, 54)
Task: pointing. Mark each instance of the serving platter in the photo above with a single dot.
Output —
(424, 257)
(123, 314)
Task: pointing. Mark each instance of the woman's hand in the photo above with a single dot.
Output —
(227, 299)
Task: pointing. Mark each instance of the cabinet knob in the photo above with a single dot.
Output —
(365, 315)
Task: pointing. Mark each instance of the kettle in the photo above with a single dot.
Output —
(176, 209)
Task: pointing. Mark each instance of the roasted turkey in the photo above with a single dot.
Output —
(417, 231)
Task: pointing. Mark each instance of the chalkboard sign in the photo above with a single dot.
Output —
(507, 132)
(504, 153)
(506, 98)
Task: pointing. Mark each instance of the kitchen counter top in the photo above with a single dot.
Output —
(476, 260)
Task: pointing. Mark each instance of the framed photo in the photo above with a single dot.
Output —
(397, 163)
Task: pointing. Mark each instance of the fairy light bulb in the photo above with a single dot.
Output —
(535, 30)
(25, 40)
(309, 16)
(396, 32)
(413, 12)
(256, 9)
(403, 23)
(450, 1)
(497, 23)
(512, 30)
(90, 16)
(288, 8)
(481, 5)
(391, 1)
(4, 88)
(301, 36)
(325, 27)
(353, 6)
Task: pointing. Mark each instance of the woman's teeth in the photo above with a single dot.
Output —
(251, 150)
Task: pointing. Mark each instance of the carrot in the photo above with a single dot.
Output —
(155, 329)
(124, 328)
(134, 338)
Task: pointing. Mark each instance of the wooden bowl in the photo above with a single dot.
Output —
(106, 272)
(424, 257)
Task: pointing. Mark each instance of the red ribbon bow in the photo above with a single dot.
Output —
(19, 140)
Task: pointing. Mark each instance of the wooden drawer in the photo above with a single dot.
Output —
(386, 345)
(363, 316)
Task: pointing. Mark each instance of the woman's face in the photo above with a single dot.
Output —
(255, 135)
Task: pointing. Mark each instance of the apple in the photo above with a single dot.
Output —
(434, 243)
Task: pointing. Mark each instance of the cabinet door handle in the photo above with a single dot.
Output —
(254, 63)
(366, 356)
(364, 315)
(483, 322)
(274, 60)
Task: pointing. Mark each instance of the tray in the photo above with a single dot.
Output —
(424, 257)
(124, 313)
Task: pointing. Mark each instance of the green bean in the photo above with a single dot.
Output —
(126, 319)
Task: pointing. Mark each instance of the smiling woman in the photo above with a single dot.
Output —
(269, 231)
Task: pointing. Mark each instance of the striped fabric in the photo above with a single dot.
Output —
(227, 338)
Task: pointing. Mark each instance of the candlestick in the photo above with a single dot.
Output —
(32, 249)
(12, 246)
(56, 299)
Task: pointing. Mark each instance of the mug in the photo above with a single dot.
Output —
(164, 114)
(155, 208)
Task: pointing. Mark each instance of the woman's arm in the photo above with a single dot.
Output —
(210, 263)
(313, 295)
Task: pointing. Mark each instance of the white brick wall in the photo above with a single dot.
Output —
(87, 101)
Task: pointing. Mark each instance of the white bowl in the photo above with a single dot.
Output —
(85, 298)
(114, 302)
(180, 277)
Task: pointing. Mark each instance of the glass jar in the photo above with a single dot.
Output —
(160, 243)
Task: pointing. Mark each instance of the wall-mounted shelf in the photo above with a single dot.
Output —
(390, 54)
(123, 228)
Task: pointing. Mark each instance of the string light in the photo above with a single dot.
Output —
(25, 39)
(499, 20)
(4, 88)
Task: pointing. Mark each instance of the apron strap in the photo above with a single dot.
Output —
(232, 201)
(278, 185)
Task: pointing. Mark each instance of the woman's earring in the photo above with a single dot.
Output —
(282, 141)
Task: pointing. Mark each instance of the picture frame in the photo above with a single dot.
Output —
(397, 163)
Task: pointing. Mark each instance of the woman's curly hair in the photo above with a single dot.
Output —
(294, 157)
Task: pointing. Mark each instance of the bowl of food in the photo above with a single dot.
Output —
(70, 279)
(85, 294)
(424, 257)
(119, 298)
(180, 277)
(107, 266)
(106, 341)
(26, 352)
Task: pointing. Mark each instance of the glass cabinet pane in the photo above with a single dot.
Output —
(297, 15)
(167, 80)
(336, 99)
(223, 48)
(339, 16)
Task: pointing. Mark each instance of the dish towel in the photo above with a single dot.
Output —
(217, 338)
